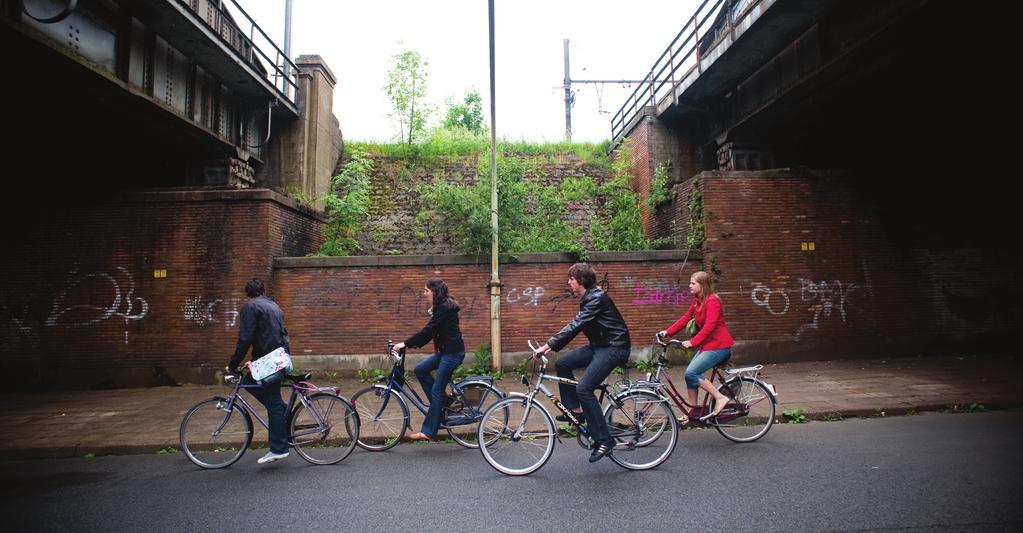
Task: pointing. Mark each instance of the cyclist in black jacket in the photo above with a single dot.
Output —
(448, 353)
(609, 347)
(262, 328)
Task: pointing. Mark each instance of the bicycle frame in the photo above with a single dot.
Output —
(540, 387)
(665, 383)
(299, 389)
(397, 382)
(661, 381)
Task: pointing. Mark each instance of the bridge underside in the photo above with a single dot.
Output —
(894, 92)
(862, 147)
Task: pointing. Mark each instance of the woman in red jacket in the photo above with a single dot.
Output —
(713, 342)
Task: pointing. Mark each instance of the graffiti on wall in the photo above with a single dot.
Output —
(825, 298)
(528, 296)
(75, 305)
(206, 311)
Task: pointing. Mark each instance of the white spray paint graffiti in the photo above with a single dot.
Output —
(528, 296)
(826, 297)
(197, 309)
(761, 296)
(72, 315)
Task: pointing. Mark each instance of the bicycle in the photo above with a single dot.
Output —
(636, 419)
(750, 411)
(384, 408)
(324, 426)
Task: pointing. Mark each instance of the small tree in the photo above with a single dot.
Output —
(406, 88)
(467, 115)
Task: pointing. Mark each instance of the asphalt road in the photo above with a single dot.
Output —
(959, 472)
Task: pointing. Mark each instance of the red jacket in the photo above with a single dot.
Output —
(710, 318)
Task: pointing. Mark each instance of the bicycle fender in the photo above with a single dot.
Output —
(475, 379)
(470, 381)
(662, 397)
(770, 388)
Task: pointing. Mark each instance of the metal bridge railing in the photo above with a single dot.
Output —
(250, 45)
(678, 61)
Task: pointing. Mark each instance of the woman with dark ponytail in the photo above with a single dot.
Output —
(448, 352)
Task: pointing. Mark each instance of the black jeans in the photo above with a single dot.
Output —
(276, 411)
(599, 363)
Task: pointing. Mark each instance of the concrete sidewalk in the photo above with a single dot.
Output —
(76, 423)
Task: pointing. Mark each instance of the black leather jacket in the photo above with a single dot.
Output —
(598, 319)
(442, 329)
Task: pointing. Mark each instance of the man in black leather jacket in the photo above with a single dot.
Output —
(609, 347)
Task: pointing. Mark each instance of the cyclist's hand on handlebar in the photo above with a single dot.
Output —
(541, 351)
(399, 346)
(687, 344)
(662, 334)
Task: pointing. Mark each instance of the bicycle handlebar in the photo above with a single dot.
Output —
(660, 340)
(536, 351)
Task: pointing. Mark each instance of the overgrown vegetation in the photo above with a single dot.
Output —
(695, 237)
(346, 207)
(660, 192)
(443, 143)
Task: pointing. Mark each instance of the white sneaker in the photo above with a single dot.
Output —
(271, 457)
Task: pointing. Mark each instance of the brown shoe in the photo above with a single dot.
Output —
(421, 437)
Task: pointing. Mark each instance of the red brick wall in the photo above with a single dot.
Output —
(338, 309)
(81, 306)
(850, 295)
(639, 145)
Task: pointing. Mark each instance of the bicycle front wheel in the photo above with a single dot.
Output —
(213, 435)
(462, 417)
(644, 429)
(383, 416)
(749, 414)
(516, 436)
(324, 430)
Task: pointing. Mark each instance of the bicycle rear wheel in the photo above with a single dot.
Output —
(644, 429)
(213, 436)
(516, 436)
(461, 418)
(383, 416)
(749, 415)
(325, 432)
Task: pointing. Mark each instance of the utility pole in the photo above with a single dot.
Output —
(287, 45)
(568, 98)
(495, 278)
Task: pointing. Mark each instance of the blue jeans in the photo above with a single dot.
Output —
(703, 361)
(276, 412)
(599, 363)
(445, 365)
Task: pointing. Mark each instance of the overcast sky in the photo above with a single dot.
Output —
(608, 40)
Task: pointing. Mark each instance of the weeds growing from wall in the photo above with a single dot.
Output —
(695, 237)
(346, 207)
